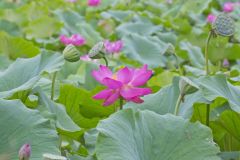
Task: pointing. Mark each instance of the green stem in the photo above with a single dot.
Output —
(178, 104)
(206, 51)
(121, 103)
(106, 61)
(207, 73)
(53, 84)
(207, 114)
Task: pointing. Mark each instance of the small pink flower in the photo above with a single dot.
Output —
(169, 1)
(113, 47)
(125, 83)
(94, 3)
(72, 1)
(65, 40)
(211, 18)
(24, 152)
(228, 7)
(86, 58)
(77, 40)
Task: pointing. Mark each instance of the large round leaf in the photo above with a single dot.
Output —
(20, 125)
(145, 135)
(24, 73)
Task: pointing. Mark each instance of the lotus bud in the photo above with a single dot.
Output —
(186, 86)
(226, 63)
(170, 50)
(24, 152)
(96, 51)
(71, 54)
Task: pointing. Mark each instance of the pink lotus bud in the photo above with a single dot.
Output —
(228, 7)
(113, 47)
(94, 3)
(226, 63)
(24, 152)
(211, 18)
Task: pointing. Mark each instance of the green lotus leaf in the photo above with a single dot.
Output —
(141, 135)
(24, 73)
(20, 125)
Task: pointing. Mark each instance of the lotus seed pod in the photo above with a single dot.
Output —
(24, 152)
(96, 51)
(224, 25)
(71, 53)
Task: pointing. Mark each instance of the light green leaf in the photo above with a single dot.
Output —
(79, 104)
(9, 27)
(43, 27)
(69, 18)
(217, 86)
(195, 54)
(118, 15)
(138, 27)
(63, 121)
(89, 32)
(141, 135)
(21, 125)
(16, 47)
(24, 73)
(161, 102)
(229, 120)
(147, 50)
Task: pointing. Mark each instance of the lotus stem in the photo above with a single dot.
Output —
(207, 72)
(121, 103)
(178, 104)
(53, 85)
(106, 61)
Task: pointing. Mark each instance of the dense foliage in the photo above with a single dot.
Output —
(119, 79)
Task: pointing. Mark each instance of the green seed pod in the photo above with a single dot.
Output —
(96, 51)
(71, 54)
(224, 25)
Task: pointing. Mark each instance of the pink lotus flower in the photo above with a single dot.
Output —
(75, 39)
(113, 47)
(94, 3)
(228, 7)
(211, 18)
(125, 84)
(24, 152)
(65, 40)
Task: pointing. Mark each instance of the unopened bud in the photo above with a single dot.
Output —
(186, 86)
(71, 53)
(24, 152)
(226, 63)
